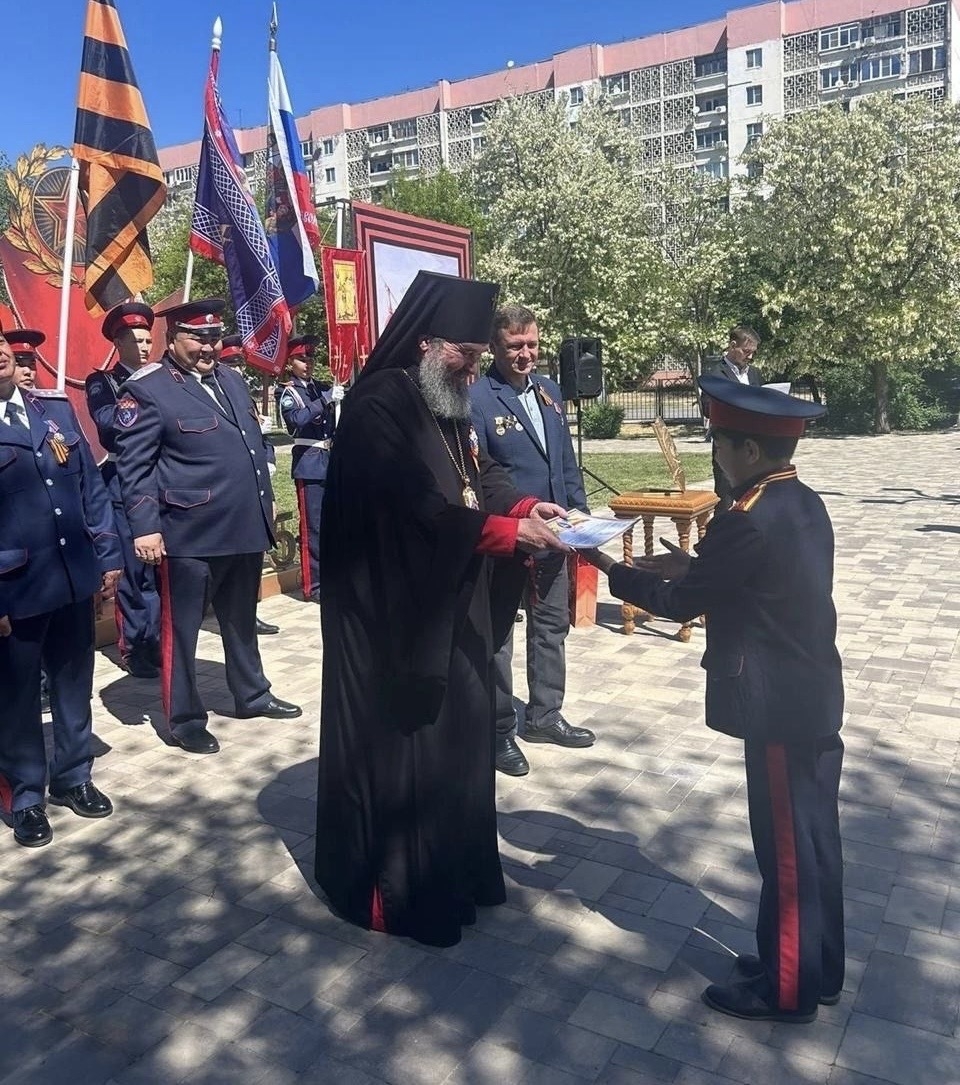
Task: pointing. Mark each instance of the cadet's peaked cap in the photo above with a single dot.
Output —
(232, 349)
(23, 341)
(202, 315)
(746, 408)
(435, 307)
(131, 314)
(302, 346)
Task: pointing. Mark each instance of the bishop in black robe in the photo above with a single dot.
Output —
(406, 818)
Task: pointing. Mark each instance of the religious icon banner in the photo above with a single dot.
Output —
(344, 289)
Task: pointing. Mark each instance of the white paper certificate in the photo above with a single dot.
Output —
(584, 532)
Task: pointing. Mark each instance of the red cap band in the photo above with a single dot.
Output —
(723, 416)
(299, 351)
(130, 320)
(231, 352)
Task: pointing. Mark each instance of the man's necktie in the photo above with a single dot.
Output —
(14, 417)
(210, 382)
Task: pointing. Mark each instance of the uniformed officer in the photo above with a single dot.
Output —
(24, 342)
(308, 410)
(763, 576)
(58, 547)
(137, 603)
(196, 489)
(234, 357)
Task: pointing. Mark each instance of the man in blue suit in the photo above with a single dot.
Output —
(520, 422)
(196, 489)
(137, 604)
(58, 547)
(308, 413)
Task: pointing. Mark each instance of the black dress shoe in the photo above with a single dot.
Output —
(559, 732)
(86, 800)
(198, 741)
(743, 1000)
(139, 667)
(264, 629)
(509, 757)
(751, 967)
(31, 828)
(274, 709)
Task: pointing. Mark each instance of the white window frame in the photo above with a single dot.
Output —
(330, 175)
(754, 58)
(755, 94)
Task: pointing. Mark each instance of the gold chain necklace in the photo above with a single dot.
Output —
(468, 492)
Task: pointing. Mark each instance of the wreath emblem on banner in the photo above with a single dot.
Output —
(35, 225)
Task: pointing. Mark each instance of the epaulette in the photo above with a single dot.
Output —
(151, 368)
(48, 393)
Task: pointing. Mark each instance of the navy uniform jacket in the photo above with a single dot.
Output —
(189, 470)
(102, 390)
(57, 533)
(764, 579)
(551, 474)
(308, 414)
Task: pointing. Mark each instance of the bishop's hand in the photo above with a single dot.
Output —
(534, 535)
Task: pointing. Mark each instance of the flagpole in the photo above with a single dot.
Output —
(72, 197)
(188, 277)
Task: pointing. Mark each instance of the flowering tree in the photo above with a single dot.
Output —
(851, 234)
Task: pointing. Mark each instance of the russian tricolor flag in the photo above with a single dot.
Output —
(291, 216)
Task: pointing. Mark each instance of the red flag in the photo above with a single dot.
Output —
(344, 288)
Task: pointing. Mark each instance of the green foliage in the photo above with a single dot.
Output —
(169, 234)
(602, 420)
(5, 200)
(918, 399)
(443, 197)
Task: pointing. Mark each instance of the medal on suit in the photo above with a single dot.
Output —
(58, 446)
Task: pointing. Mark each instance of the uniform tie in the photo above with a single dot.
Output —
(14, 417)
(210, 381)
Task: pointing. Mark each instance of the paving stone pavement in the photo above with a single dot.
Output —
(184, 939)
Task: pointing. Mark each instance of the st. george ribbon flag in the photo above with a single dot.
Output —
(120, 176)
(227, 228)
(291, 216)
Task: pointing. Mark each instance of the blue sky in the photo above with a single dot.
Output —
(331, 52)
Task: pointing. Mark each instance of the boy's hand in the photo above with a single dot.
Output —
(673, 565)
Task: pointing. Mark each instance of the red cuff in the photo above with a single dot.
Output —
(524, 507)
(499, 536)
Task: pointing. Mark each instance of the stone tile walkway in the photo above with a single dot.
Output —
(183, 939)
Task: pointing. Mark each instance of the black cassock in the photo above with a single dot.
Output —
(406, 819)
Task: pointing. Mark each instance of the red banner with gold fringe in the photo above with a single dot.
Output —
(344, 290)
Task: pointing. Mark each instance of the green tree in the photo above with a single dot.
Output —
(443, 196)
(564, 226)
(5, 200)
(851, 229)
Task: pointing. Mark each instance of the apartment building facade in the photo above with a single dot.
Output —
(693, 97)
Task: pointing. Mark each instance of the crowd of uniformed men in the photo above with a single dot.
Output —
(175, 519)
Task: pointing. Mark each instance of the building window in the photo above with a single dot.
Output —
(880, 68)
(380, 134)
(180, 176)
(478, 143)
(478, 116)
(754, 131)
(404, 129)
(576, 95)
(717, 168)
(754, 58)
(754, 170)
(933, 59)
(306, 149)
(380, 165)
(626, 117)
(716, 64)
(708, 140)
(328, 146)
(755, 95)
(716, 104)
(408, 160)
(615, 85)
(883, 27)
(843, 76)
(839, 37)
(330, 175)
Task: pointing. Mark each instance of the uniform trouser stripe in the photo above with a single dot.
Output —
(166, 639)
(305, 571)
(788, 899)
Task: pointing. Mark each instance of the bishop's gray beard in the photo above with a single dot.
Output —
(444, 392)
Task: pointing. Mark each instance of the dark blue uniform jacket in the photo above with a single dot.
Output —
(57, 533)
(308, 414)
(764, 579)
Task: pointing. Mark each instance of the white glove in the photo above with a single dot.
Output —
(266, 424)
(272, 469)
(337, 392)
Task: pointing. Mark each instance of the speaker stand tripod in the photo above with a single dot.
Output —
(604, 485)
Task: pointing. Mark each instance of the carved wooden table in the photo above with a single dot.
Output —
(684, 509)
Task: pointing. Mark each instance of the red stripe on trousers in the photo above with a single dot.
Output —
(304, 539)
(6, 795)
(166, 639)
(118, 618)
(788, 897)
(376, 911)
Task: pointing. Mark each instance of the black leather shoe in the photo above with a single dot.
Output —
(559, 732)
(751, 967)
(264, 629)
(199, 741)
(510, 760)
(139, 667)
(31, 828)
(86, 800)
(274, 709)
(743, 1000)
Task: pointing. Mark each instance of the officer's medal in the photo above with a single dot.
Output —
(58, 446)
